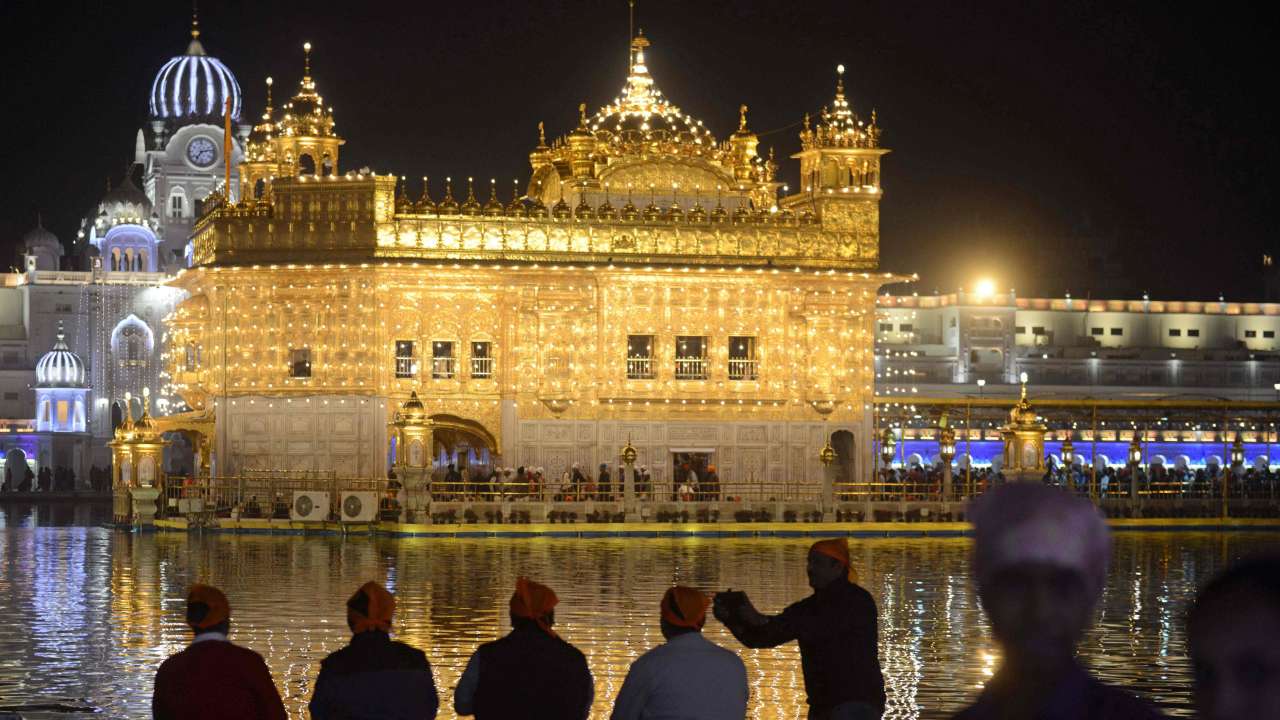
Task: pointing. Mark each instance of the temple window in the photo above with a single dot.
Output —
(742, 358)
(406, 364)
(442, 360)
(300, 362)
(691, 357)
(481, 359)
(639, 357)
(177, 203)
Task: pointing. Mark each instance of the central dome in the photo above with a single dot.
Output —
(194, 86)
(643, 114)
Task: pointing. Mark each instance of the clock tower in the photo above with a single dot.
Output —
(180, 149)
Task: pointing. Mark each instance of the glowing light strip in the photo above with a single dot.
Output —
(192, 75)
(208, 79)
(158, 84)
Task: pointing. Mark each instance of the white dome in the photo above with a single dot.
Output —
(194, 85)
(60, 368)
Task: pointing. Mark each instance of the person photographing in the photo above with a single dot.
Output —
(837, 630)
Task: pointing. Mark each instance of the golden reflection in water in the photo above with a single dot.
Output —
(92, 612)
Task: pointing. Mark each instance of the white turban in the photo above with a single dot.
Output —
(1032, 523)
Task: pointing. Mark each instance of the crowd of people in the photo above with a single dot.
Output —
(1040, 560)
(50, 480)
(484, 484)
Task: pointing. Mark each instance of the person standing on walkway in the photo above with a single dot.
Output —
(837, 630)
(212, 679)
(530, 673)
(374, 676)
(1040, 562)
(1232, 631)
(688, 676)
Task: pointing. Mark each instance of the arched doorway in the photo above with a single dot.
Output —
(842, 443)
(15, 470)
(117, 415)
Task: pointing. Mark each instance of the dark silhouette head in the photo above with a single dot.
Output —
(1233, 631)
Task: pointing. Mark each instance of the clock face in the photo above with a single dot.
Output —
(202, 152)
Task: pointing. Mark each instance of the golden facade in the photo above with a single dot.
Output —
(650, 285)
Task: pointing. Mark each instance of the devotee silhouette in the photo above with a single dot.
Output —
(1233, 631)
(213, 679)
(531, 672)
(1040, 562)
(837, 631)
(374, 676)
(688, 676)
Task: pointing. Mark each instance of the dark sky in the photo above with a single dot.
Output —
(1029, 138)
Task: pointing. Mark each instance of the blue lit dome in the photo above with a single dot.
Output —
(194, 85)
(60, 368)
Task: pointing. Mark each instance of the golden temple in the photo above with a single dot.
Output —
(651, 284)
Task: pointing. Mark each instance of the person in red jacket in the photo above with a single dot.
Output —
(212, 679)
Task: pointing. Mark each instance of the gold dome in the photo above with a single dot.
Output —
(840, 126)
(413, 410)
(305, 114)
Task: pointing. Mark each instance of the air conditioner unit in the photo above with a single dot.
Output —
(309, 506)
(359, 506)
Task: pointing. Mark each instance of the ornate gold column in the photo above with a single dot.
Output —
(1023, 442)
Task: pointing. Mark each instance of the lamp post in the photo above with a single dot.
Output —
(946, 451)
(983, 383)
(1135, 461)
(887, 448)
(1068, 459)
(1237, 460)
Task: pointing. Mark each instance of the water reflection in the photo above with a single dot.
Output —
(91, 612)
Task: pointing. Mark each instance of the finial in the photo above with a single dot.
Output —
(840, 79)
(582, 115)
(471, 190)
(742, 118)
(195, 21)
(306, 60)
(806, 122)
(542, 134)
(61, 333)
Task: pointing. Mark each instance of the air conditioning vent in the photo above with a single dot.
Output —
(309, 506)
(359, 506)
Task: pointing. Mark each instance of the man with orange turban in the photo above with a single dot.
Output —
(688, 676)
(529, 673)
(212, 678)
(374, 676)
(837, 630)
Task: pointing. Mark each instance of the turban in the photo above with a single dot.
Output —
(1032, 523)
(219, 610)
(534, 601)
(684, 607)
(838, 550)
(378, 609)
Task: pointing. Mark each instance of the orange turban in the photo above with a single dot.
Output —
(212, 598)
(837, 549)
(534, 601)
(685, 607)
(377, 616)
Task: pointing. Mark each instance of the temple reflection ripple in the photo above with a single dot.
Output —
(91, 613)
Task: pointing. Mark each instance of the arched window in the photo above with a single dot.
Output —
(306, 165)
(177, 203)
(115, 258)
(327, 164)
(259, 188)
(132, 342)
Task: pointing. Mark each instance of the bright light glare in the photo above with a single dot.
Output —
(985, 288)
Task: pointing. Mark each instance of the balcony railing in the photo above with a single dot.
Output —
(405, 367)
(442, 368)
(691, 368)
(639, 368)
(481, 368)
(743, 369)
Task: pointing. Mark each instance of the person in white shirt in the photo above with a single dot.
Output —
(688, 676)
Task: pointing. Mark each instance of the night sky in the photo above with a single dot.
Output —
(1052, 146)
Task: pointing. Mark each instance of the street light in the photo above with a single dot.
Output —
(887, 447)
(946, 451)
(1237, 452)
(983, 383)
(1135, 460)
(1068, 451)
